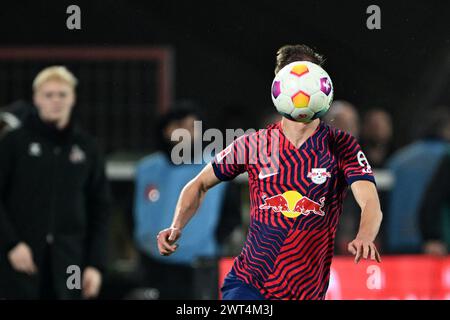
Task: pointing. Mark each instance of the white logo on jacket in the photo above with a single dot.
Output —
(35, 149)
(76, 154)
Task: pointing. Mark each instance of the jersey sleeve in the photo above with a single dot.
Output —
(352, 160)
(231, 161)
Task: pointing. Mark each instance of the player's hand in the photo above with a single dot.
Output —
(92, 281)
(166, 240)
(21, 259)
(366, 249)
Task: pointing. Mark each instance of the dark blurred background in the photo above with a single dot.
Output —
(223, 51)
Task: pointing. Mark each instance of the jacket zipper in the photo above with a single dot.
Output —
(50, 235)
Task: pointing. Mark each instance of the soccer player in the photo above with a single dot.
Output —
(295, 204)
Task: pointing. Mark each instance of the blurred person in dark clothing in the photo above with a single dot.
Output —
(158, 182)
(435, 211)
(344, 116)
(414, 214)
(376, 137)
(435, 208)
(54, 199)
(376, 140)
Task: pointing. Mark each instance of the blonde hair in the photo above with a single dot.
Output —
(56, 73)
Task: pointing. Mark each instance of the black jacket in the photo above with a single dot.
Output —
(53, 190)
(435, 204)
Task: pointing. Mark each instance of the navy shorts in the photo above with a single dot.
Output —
(235, 289)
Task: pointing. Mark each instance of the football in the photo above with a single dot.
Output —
(302, 91)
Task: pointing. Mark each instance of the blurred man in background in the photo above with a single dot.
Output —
(376, 137)
(376, 140)
(435, 208)
(344, 116)
(54, 199)
(158, 183)
(413, 168)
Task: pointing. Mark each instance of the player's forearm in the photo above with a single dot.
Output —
(371, 217)
(190, 199)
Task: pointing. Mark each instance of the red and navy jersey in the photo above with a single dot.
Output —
(295, 202)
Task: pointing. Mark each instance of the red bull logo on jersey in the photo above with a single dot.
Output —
(292, 204)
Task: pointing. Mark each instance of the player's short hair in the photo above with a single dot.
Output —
(55, 73)
(178, 111)
(297, 52)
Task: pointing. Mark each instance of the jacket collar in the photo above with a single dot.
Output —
(49, 130)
